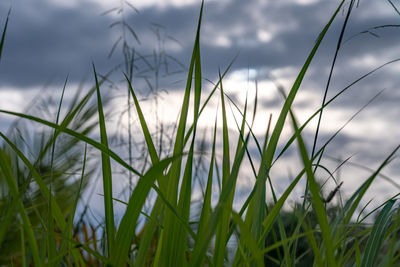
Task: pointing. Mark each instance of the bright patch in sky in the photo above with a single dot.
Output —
(264, 36)
(223, 41)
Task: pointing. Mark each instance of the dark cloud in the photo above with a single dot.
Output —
(45, 40)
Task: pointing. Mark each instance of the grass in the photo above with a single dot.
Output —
(313, 233)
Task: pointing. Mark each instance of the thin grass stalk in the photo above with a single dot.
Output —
(3, 35)
(52, 249)
(106, 168)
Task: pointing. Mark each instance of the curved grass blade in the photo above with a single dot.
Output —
(77, 135)
(268, 156)
(338, 46)
(293, 137)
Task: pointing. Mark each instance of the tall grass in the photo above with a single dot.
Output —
(314, 233)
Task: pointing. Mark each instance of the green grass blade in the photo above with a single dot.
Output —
(203, 242)
(127, 227)
(107, 177)
(338, 46)
(293, 137)
(353, 202)
(180, 237)
(167, 254)
(55, 208)
(189, 132)
(26, 224)
(276, 133)
(149, 141)
(7, 219)
(207, 209)
(274, 212)
(149, 232)
(247, 239)
(377, 235)
(223, 225)
(66, 245)
(52, 250)
(56, 211)
(316, 200)
(77, 135)
(256, 210)
(174, 172)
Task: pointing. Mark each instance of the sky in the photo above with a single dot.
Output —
(50, 39)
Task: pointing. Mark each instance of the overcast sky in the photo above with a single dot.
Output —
(49, 39)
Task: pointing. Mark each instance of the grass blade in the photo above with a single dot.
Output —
(26, 224)
(223, 225)
(107, 177)
(167, 252)
(377, 235)
(316, 200)
(127, 227)
(3, 36)
(247, 239)
(77, 135)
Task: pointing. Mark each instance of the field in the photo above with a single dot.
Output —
(41, 186)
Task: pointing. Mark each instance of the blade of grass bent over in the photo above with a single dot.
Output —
(106, 168)
(77, 135)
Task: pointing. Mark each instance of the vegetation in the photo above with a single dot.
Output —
(41, 186)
